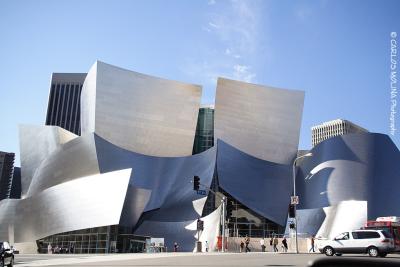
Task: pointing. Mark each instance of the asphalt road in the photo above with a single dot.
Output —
(176, 259)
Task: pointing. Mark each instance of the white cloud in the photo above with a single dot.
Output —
(237, 27)
(243, 73)
(233, 44)
(213, 25)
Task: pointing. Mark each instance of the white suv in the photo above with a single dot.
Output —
(374, 242)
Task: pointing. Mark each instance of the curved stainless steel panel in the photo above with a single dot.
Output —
(135, 202)
(69, 161)
(263, 186)
(86, 202)
(352, 167)
(261, 121)
(140, 113)
(36, 144)
(7, 216)
(168, 179)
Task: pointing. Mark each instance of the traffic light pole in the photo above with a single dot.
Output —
(295, 206)
(223, 212)
(223, 222)
(294, 195)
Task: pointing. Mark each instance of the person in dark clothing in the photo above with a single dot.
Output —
(284, 245)
(247, 241)
(312, 244)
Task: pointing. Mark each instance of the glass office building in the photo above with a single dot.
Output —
(6, 174)
(65, 101)
(204, 138)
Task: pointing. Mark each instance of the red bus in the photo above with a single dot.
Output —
(389, 224)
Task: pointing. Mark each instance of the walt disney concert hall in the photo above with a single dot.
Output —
(123, 173)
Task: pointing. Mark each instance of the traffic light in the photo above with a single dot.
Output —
(200, 225)
(292, 211)
(229, 208)
(196, 183)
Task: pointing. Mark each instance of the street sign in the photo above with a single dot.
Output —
(202, 192)
(294, 200)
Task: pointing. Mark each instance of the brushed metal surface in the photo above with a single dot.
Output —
(341, 168)
(86, 202)
(348, 170)
(167, 178)
(141, 113)
(261, 121)
(36, 144)
(7, 217)
(264, 187)
(68, 161)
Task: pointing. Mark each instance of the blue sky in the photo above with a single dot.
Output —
(338, 52)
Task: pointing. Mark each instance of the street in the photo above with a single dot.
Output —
(174, 259)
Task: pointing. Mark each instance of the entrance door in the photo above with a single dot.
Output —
(136, 246)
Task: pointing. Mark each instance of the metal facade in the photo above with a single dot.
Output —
(140, 113)
(132, 165)
(261, 121)
(359, 167)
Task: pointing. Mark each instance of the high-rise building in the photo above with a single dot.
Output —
(6, 174)
(333, 128)
(16, 183)
(64, 101)
(204, 138)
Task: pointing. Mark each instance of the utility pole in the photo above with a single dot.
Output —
(223, 222)
(295, 197)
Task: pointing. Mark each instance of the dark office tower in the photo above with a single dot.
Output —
(65, 101)
(204, 138)
(6, 174)
(16, 183)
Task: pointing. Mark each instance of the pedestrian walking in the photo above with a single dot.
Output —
(206, 246)
(275, 243)
(284, 244)
(312, 244)
(241, 246)
(176, 247)
(247, 242)
(262, 243)
(49, 249)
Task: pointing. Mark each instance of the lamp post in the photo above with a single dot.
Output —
(294, 194)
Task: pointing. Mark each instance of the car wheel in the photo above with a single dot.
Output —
(11, 262)
(329, 251)
(383, 254)
(373, 252)
(338, 254)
